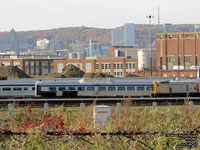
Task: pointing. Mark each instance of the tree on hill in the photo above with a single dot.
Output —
(71, 71)
(97, 75)
(12, 72)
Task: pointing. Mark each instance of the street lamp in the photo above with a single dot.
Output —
(149, 17)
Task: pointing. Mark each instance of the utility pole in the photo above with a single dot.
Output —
(150, 17)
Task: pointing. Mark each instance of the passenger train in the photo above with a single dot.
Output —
(99, 87)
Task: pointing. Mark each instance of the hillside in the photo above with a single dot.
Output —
(63, 35)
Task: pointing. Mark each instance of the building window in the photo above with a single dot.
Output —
(109, 66)
(121, 66)
(88, 66)
(97, 66)
(115, 66)
(133, 66)
(16, 63)
(187, 62)
(170, 62)
(130, 66)
(59, 67)
(81, 66)
(126, 66)
(106, 66)
(102, 66)
(6, 63)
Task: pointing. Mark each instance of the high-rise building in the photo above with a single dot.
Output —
(167, 28)
(117, 37)
(93, 47)
(197, 28)
(129, 34)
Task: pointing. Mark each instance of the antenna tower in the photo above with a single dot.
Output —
(158, 15)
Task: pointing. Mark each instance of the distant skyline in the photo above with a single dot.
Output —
(24, 15)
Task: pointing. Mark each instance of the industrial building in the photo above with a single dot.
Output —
(32, 65)
(178, 53)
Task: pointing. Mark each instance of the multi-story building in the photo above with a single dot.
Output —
(123, 51)
(117, 67)
(117, 37)
(167, 28)
(129, 34)
(197, 28)
(178, 52)
(32, 65)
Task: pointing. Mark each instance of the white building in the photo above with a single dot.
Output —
(43, 43)
(144, 59)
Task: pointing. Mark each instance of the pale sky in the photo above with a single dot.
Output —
(25, 15)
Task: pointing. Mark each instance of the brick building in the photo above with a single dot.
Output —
(117, 67)
(32, 65)
(178, 53)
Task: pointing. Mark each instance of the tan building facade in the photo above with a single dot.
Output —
(118, 67)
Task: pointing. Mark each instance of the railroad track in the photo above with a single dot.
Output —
(108, 101)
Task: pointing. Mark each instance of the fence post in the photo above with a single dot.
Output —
(46, 108)
(191, 108)
(154, 105)
(100, 114)
(10, 110)
(118, 108)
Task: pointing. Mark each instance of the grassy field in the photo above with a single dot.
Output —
(132, 119)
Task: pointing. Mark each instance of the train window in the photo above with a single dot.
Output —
(52, 88)
(81, 88)
(140, 88)
(130, 88)
(62, 88)
(25, 89)
(17, 89)
(121, 88)
(90, 88)
(102, 88)
(6, 89)
(33, 88)
(149, 87)
(111, 88)
(71, 89)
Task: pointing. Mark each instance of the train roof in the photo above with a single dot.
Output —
(97, 80)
